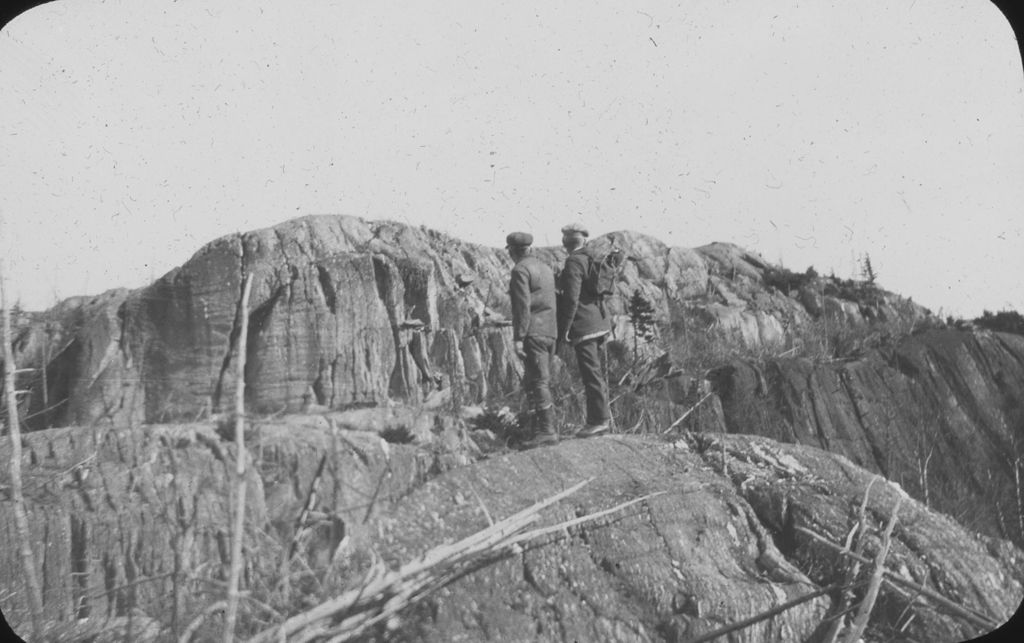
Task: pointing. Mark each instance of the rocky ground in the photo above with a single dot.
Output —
(135, 523)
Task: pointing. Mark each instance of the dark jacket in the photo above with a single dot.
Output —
(532, 289)
(580, 312)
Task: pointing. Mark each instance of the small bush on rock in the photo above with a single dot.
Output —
(865, 293)
(502, 425)
(398, 435)
(785, 280)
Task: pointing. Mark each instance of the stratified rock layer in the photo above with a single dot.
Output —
(942, 414)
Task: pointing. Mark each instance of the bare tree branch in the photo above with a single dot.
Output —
(868, 602)
(894, 579)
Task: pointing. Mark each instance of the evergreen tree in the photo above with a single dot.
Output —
(867, 270)
(641, 314)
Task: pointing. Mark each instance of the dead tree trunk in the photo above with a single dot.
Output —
(35, 594)
(239, 527)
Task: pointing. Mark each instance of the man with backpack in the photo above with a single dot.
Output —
(532, 291)
(584, 323)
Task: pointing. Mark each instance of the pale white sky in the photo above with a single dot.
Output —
(132, 132)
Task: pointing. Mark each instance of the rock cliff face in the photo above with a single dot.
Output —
(135, 525)
(342, 313)
(347, 312)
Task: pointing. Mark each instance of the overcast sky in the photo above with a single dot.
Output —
(135, 131)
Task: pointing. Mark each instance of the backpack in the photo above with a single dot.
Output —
(604, 272)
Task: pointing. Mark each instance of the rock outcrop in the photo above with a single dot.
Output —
(342, 313)
(139, 517)
(346, 312)
(941, 413)
(135, 523)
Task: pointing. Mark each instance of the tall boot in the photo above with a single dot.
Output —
(544, 429)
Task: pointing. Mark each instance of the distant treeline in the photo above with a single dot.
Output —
(1005, 321)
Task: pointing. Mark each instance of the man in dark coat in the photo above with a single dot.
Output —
(532, 291)
(583, 323)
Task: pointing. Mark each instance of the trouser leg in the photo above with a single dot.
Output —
(537, 380)
(588, 357)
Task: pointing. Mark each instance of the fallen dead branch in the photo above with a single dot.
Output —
(757, 618)
(893, 580)
(860, 622)
(687, 414)
(390, 591)
(301, 530)
(380, 598)
(856, 538)
(32, 416)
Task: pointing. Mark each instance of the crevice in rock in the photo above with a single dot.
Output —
(122, 329)
(223, 547)
(787, 540)
(110, 583)
(334, 382)
(327, 287)
(870, 437)
(946, 377)
(771, 532)
(1010, 350)
(903, 364)
(979, 353)
(80, 567)
(292, 271)
(45, 562)
(107, 495)
(318, 385)
(816, 418)
(626, 594)
(387, 281)
(531, 580)
(258, 321)
(83, 493)
(954, 381)
(382, 281)
(236, 329)
(258, 316)
(657, 530)
(131, 574)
